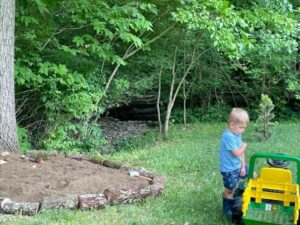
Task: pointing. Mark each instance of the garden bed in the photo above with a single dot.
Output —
(28, 185)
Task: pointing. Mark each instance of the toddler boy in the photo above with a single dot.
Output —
(232, 156)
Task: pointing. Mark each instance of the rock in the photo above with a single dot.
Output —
(158, 186)
(24, 208)
(5, 156)
(92, 201)
(127, 196)
(59, 202)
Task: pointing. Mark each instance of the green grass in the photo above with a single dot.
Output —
(189, 162)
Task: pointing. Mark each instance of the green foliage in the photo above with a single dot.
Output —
(192, 115)
(23, 139)
(66, 50)
(133, 143)
(60, 90)
(259, 38)
(293, 85)
(74, 137)
(216, 113)
(264, 122)
(127, 144)
(223, 25)
(236, 31)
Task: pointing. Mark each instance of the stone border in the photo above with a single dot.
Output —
(87, 201)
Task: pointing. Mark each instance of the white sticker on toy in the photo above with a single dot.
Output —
(268, 207)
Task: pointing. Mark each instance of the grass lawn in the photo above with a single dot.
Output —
(189, 162)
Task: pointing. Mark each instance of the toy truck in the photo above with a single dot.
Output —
(272, 198)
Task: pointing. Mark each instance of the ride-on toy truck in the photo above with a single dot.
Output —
(272, 198)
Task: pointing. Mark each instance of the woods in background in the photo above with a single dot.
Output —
(76, 60)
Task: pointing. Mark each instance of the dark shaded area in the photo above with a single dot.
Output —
(145, 112)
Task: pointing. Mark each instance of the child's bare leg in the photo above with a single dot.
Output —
(228, 193)
(228, 202)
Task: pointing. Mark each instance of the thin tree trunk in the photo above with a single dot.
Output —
(185, 94)
(170, 102)
(172, 96)
(184, 103)
(8, 127)
(158, 100)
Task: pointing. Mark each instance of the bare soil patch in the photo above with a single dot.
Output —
(26, 181)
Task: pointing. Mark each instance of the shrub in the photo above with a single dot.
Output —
(216, 113)
(23, 139)
(75, 137)
(264, 124)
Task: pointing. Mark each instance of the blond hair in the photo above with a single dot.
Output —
(238, 115)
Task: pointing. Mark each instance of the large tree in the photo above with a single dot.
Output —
(8, 135)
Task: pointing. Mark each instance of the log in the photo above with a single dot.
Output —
(74, 156)
(111, 164)
(96, 160)
(41, 153)
(127, 196)
(92, 201)
(59, 202)
(158, 186)
(146, 173)
(25, 208)
(106, 163)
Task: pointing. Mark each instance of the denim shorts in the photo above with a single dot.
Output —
(231, 179)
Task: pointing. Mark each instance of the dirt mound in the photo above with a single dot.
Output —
(22, 180)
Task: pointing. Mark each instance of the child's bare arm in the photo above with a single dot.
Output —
(243, 168)
(239, 152)
(243, 160)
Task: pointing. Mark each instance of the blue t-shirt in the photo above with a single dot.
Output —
(229, 143)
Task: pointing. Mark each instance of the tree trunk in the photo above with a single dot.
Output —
(167, 119)
(184, 103)
(8, 135)
(158, 100)
(173, 94)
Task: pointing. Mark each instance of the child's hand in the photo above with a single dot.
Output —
(244, 145)
(243, 171)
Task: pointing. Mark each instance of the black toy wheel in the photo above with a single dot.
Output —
(278, 163)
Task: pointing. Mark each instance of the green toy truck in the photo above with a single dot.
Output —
(272, 198)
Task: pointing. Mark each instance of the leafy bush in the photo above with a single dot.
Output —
(192, 115)
(133, 143)
(74, 137)
(216, 113)
(23, 139)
